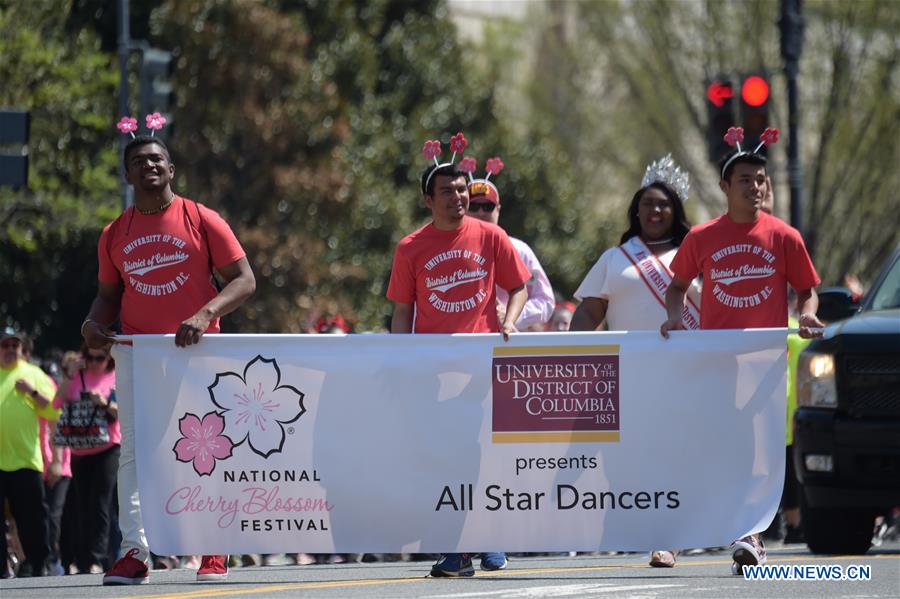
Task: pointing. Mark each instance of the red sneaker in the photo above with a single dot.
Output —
(213, 568)
(127, 570)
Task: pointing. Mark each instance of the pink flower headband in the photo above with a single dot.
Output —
(735, 136)
(491, 167)
(432, 149)
(154, 122)
(482, 186)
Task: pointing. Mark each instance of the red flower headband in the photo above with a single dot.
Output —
(735, 136)
(432, 149)
(154, 122)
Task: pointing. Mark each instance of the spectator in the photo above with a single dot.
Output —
(26, 395)
(561, 320)
(95, 467)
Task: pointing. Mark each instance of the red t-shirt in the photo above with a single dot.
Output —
(746, 269)
(163, 261)
(451, 276)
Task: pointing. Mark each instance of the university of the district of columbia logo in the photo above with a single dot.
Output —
(555, 394)
(253, 408)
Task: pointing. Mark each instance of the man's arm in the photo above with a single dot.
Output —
(517, 299)
(808, 305)
(674, 306)
(402, 320)
(239, 285)
(589, 314)
(103, 313)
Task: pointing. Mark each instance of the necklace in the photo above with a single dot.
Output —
(659, 241)
(158, 209)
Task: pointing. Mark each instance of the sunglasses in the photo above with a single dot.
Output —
(483, 206)
(10, 344)
(92, 358)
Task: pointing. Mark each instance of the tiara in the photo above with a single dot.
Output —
(432, 149)
(666, 171)
(735, 136)
(154, 122)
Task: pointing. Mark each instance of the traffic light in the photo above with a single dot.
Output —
(720, 115)
(157, 95)
(15, 126)
(754, 107)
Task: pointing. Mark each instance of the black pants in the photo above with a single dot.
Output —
(94, 477)
(25, 491)
(55, 500)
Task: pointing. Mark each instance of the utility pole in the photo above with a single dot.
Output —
(792, 24)
(124, 50)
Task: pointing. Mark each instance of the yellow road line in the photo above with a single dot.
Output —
(212, 591)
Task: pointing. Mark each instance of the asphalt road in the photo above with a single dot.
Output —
(705, 575)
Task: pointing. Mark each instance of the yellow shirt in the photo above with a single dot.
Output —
(795, 344)
(20, 444)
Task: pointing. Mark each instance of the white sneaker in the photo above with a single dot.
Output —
(747, 551)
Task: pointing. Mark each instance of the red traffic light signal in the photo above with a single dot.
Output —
(717, 92)
(755, 90)
(720, 92)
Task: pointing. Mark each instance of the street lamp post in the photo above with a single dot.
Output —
(791, 24)
(124, 49)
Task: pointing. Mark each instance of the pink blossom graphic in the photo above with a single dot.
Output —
(468, 165)
(769, 136)
(127, 125)
(202, 442)
(257, 405)
(155, 121)
(734, 136)
(458, 143)
(494, 165)
(432, 149)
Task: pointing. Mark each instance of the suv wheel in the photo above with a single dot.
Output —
(845, 531)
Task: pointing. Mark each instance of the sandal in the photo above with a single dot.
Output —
(662, 559)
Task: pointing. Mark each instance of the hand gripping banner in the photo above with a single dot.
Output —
(439, 443)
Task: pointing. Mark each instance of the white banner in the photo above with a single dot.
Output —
(437, 443)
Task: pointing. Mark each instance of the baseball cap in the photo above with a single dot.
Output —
(12, 333)
(483, 191)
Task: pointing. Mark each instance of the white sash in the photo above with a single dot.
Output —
(657, 277)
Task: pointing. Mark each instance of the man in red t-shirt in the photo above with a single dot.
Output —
(156, 276)
(444, 280)
(748, 258)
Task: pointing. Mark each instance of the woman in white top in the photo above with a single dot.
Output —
(627, 285)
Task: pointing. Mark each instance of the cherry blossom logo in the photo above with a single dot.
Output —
(254, 407)
(202, 442)
(257, 405)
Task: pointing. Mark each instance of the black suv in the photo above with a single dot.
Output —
(847, 424)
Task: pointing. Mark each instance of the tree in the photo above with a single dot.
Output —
(48, 236)
(643, 64)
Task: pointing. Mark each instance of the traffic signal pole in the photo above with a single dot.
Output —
(124, 33)
(791, 47)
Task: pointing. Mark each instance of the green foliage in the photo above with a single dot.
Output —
(49, 233)
(302, 121)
